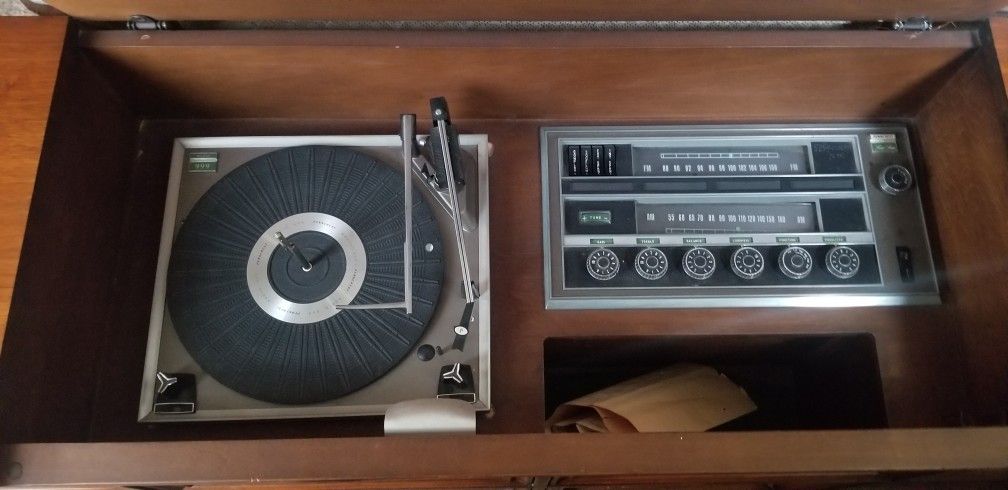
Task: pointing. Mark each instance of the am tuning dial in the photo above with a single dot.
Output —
(651, 264)
(843, 262)
(795, 262)
(698, 263)
(602, 264)
(747, 263)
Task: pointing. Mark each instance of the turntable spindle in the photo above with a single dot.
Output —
(305, 264)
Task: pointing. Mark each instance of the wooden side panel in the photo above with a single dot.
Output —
(29, 56)
(528, 9)
(58, 315)
(962, 130)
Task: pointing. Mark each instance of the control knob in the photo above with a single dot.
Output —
(747, 263)
(602, 264)
(698, 263)
(651, 264)
(795, 262)
(843, 262)
(895, 179)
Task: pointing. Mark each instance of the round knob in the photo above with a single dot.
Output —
(747, 263)
(895, 179)
(651, 264)
(843, 262)
(795, 262)
(698, 263)
(602, 264)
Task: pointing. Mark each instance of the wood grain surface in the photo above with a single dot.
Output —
(29, 56)
(101, 184)
(529, 9)
(498, 460)
(604, 76)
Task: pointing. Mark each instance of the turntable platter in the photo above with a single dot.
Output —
(264, 323)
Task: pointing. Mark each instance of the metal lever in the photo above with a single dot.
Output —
(442, 122)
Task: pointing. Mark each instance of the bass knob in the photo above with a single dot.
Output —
(602, 264)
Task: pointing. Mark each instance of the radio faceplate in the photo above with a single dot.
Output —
(733, 216)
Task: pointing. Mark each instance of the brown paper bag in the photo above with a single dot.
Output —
(680, 398)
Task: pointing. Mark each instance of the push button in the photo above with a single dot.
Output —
(610, 160)
(586, 156)
(572, 159)
(598, 160)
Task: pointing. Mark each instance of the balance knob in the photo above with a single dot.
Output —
(698, 263)
(747, 263)
(651, 264)
(843, 262)
(602, 264)
(895, 179)
(795, 262)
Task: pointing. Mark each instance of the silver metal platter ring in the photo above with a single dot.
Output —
(275, 305)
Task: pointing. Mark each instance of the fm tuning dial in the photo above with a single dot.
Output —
(651, 264)
(795, 262)
(747, 263)
(602, 264)
(843, 262)
(698, 263)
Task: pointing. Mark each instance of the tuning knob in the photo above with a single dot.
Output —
(795, 262)
(843, 262)
(651, 264)
(895, 179)
(698, 263)
(747, 263)
(602, 264)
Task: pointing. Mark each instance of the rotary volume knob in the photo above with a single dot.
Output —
(795, 262)
(843, 262)
(651, 264)
(602, 264)
(747, 263)
(698, 263)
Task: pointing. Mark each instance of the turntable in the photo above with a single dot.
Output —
(318, 276)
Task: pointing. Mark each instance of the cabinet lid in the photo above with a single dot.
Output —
(530, 10)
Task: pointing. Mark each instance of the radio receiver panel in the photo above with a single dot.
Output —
(733, 216)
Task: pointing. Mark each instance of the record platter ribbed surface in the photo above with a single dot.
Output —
(344, 210)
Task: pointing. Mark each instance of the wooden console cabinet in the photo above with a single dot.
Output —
(88, 112)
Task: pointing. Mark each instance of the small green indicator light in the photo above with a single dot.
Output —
(834, 239)
(740, 239)
(595, 217)
(787, 239)
(694, 240)
(647, 241)
(600, 241)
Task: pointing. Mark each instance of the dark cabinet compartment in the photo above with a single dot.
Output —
(797, 381)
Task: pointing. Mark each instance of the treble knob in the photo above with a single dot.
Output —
(651, 264)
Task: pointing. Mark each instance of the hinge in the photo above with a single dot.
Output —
(145, 23)
(541, 482)
(915, 24)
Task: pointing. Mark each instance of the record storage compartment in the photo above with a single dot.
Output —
(123, 96)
